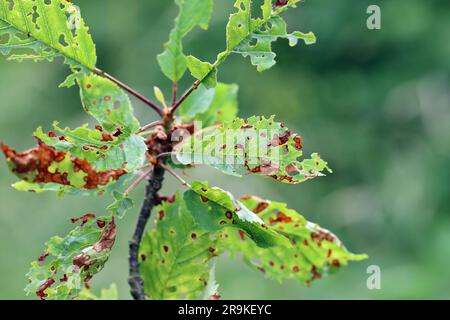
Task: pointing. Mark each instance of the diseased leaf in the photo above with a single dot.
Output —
(44, 164)
(214, 209)
(110, 293)
(316, 252)
(211, 106)
(68, 264)
(258, 45)
(61, 190)
(251, 36)
(47, 29)
(104, 150)
(255, 145)
(108, 104)
(175, 256)
(192, 12)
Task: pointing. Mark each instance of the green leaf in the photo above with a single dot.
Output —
(211, 106)
(204, 72)
(192, 12)
(256, 145)
(69, 263)
(198, 102)
(120, 205)
(107, 103)
(214, 209)
(159, 96)
(47, 29)
(111, 293)
(315, 252)
(212, 289)
(175, 255)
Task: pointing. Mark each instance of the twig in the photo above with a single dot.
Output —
(163, 154)
(185, 96)
(173, 173)
(150, 125)
(131, 91)
(138, 181)
(175, 91)
(154, 185)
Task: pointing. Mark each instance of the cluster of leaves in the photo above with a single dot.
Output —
(199, 224)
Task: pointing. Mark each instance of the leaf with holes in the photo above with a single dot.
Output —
(68, 264)
(47, 29)
(192, 12)
(214, 209)
(175, 255)
(251, 36)
(256, 145)
(315, 252)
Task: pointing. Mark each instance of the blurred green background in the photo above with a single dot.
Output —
(375, 104)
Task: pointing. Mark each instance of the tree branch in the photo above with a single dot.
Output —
(131, 91)
(154, 185)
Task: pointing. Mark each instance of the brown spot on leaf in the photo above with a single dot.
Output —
(261, 207)
(336, 263)
(321, 235)
(229, 214)
(107, 239)
(280, 218)
(166, 249)
(241, 234)
(84, 218)
(41, 290)
(315, 273)
(42, 257)
(106, 137)
(298, 142)
(101, 224)
(194, 236)
(295, 269)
